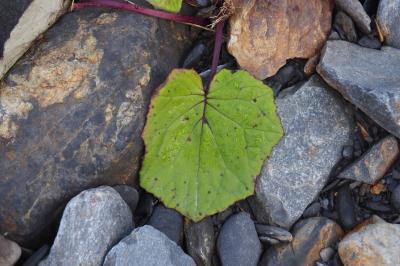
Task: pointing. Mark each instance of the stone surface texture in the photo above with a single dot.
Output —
(33, 18)
(357, 12)
(238, 243)
(92, 222)
(10, 252)
(317, 125)
(374, 164)
(388, 16)
(310, 236)
(264, 34)
(147, 246)
(368, 78)
(373, 244)
(73, 108)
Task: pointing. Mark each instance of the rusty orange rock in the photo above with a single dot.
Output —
(264, 34)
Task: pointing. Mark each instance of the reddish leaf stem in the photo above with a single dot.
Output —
(217, 51)
(142, 10)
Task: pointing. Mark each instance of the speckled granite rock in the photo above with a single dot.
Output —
(317, 125)
(147, 246)
(73, 108)
(93, 221)
(368, 78)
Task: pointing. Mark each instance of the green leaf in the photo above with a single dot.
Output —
(203, 152)
(167, 5)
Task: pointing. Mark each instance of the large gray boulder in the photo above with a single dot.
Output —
(93, 221)
(73, 108)
(147, 246)
(317, 125)
(368, 78)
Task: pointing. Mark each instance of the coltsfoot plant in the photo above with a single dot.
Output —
(205, 147)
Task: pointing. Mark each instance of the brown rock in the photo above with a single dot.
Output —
(265, 33)
(73, 108)
(9, 252)
(375, 243)
(374, 164)
(310, 236)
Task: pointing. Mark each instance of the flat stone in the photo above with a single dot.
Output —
(200, 241)
(357, 12)
(317, 125)
(10, 252)
(167, 221)
(354, 70)
(147, 246)
(310, 237)
(73, 108)
(92, 222)
(388, 17)
(264, 34)
(238, 243)
(22, 22)
(373, 164)
(376, 243)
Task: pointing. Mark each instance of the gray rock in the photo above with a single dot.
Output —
(167, 221)
(310, 237)
(317, 125)
(368, 78)
(238, 243)
(376, 243)
(345, 27)
(73, 108)
(357, 12)
(395, 198)
(373, 164)
(272, 234)
(369, 42)
(147, 246)
(10, 252)
(200, 241)
(129, 195)
(388, 16)
(92, 222)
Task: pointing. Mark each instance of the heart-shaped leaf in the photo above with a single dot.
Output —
(167, 5)
(204, 150)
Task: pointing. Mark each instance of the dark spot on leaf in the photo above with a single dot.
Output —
(186, 118)
(262, 113)
(189, 139)
(255, 125)
(254, 100)
(177, 205)
(221, 174)
(209, 192)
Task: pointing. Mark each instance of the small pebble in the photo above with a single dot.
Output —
(345, 27)
(272, 234)
(312, 210)
(326, 254)
(348, 152)
(395, 198)
(10, 252)
(194, 55)
(370, 42)
(346, 208)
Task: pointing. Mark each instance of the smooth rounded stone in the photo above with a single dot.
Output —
(194, 55)
(326, 254)
(147, 246)
(73, 109)
(10, 252)
(373, 164)
(200, 241)
(92, 222)
(167, 221)
(22, 22)
(37, 256)
(346, 208)
(369, 42)
(317, 124)
(356, 11)
(310, 236)
(345, 27)
(395, 198)
(145, 208)
(129, 195)
(264, 35)
(352, 70)
(272, 234)
(376, 243)
(238, 243)
(312, 210)
(388, 17)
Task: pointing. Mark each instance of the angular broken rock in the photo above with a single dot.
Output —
(22, 22)
(368, 78)
(73, 108)
(264, 34)
(317, 125)
(357, 12)
(374, 164)
(388, 16)
(376, 243)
